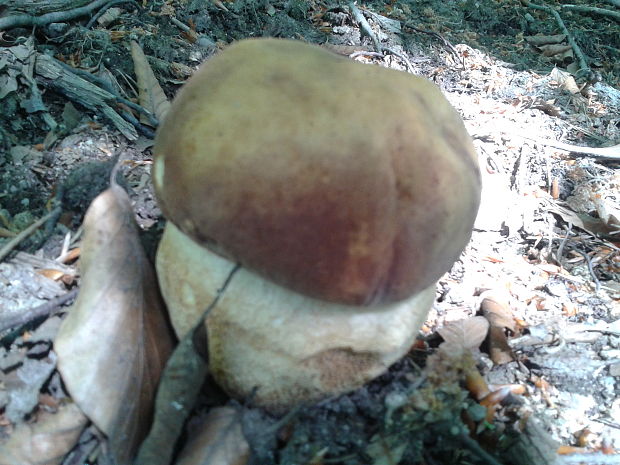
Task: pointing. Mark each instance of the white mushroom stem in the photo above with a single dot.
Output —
(292, 348)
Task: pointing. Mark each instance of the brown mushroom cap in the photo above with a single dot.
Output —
(343, 181)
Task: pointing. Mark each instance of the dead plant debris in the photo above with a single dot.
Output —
(519, 362)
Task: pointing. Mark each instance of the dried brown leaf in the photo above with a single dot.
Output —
(582, 220)
(45, 442)
(178, 390)
(24, 385)
(218, 441)
(151, 95)
(115, 341)
(465, 334)
(555, 49)
(496, 309)
(564, 80)
(538, 40)
(499, 349)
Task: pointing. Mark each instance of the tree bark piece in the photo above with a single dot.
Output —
(52, 75)
(40, 13)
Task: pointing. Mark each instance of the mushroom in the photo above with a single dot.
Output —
(344, 190)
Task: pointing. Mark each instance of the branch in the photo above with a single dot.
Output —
(593, 9)
(364, 26)
(51, 74)
(26, 20)
(581, 59)
(31, 314)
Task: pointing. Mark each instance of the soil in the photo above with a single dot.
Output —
(542, 266)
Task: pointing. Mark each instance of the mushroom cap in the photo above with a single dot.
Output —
(342, 181)
(276, 346)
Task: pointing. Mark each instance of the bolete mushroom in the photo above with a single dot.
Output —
(345, 191)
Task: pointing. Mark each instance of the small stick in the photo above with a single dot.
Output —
(36, 312)
(445, 42)
(583, 63)
(606, 153)
(586, 257)
(184, 27)
(366, 53)
(99, 82)
(594, 457)
(105, 8)
(364, 26)
(593, 9)
(26, 20)
(402, 57)
(9, 246)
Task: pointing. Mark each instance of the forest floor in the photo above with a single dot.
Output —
(541, 270)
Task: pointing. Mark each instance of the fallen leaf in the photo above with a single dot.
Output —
(55, 275)
(218, 441)
(582, 220)
(563, 79)
(465, 334)
(176, 396)
(152, 96)
(178, 390)
(538, 40)
(115, 341)
(569, 309)
(23, 386)
(476, 384)
(45, 442)
(497, 311)
(557, 51)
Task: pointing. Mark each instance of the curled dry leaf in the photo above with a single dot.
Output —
(464, 334)
(45, 442)
(178, 390)
(218, 441)
(476, 384)
(497, 311)
(115, 341)
(152, 97)
(545, 39)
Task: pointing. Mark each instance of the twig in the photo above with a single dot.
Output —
(597, 458)
(443, 40)
(605, 153)
(560, 251)
(105, 8)
(402, 57)
(65, 81)
(25, 20)
(364, 26)
(583, 63)
(607, 422)
(590, 267)
(593, 9)
(144, 130)
(9, 246)
(39, 311)
(96, 80)
(184, 27)
(366, 53)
